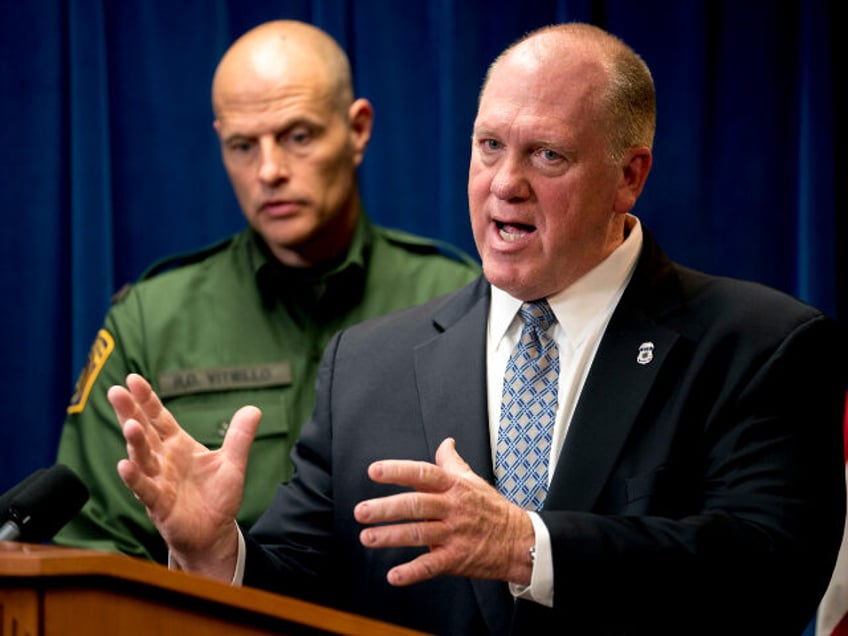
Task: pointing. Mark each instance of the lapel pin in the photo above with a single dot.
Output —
(646, 353)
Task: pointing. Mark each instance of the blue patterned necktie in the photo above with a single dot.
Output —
(528, 410)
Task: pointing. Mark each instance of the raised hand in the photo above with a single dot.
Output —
(191, 494)
(470, 528)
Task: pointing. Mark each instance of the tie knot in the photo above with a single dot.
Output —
(537, 314)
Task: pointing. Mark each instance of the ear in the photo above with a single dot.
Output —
(361, 117)
(634, 166)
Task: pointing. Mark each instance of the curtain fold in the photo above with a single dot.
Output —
(89, 163)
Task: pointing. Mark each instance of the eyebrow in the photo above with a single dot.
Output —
(285, 128)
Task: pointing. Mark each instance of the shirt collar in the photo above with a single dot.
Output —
(347, 273)
(588, 300)
(356, 255)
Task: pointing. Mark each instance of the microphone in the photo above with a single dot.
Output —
(7, 497)
(37, 508)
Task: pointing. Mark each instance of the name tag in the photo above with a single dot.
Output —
(253, 376)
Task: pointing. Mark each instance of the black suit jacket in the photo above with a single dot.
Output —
(698, 491)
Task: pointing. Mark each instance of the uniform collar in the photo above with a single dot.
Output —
(329, 288)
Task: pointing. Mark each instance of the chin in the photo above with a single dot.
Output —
(523, 283)
(503, 277)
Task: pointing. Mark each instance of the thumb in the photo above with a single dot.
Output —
(449, 459)
(240, 434)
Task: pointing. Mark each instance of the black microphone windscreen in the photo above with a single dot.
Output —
(46, 503)
(7, 497)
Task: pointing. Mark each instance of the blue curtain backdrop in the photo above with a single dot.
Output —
(108, 159)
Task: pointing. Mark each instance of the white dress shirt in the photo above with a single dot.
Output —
(582, 311)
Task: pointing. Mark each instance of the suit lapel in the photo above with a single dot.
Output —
(611, 399)
(619, 381)
(451, 374)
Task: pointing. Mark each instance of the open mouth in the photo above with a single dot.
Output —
(513, 231)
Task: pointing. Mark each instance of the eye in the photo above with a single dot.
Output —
(240, 145)
(549, 155)
(487, 144)
(300, 136)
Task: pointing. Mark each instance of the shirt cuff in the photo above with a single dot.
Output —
(238, 576)
(541, 588)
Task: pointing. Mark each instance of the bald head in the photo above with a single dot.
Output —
(623, 89)
(279, 54)
(292, 137)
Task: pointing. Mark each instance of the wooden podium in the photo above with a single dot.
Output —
(54, 591)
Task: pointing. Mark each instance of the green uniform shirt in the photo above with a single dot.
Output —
(222, 328)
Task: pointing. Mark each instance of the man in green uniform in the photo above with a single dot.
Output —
(246, 320)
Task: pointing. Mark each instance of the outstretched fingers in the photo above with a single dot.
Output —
(469, 528)
(151, 406)
(146, 425)
(144, 488)
(427, 566)
(137, 402)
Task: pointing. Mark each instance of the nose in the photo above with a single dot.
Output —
(274, 164)
(509, 182)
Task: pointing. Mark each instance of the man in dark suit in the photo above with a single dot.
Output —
(689, 457)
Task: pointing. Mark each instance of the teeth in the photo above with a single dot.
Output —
(510, 235)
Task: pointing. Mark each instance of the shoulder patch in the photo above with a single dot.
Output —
(97, 356)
